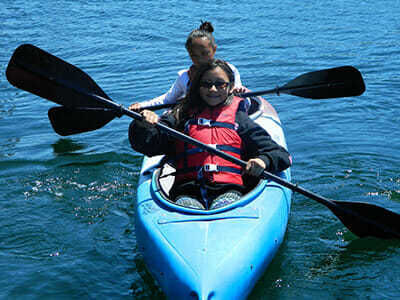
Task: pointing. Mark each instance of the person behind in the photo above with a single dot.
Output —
(211, 114)
(201, 47)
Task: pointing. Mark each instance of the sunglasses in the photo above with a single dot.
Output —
(219, 85)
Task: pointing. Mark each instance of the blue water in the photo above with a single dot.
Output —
(66, 204)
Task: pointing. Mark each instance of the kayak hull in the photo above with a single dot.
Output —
(216, 254)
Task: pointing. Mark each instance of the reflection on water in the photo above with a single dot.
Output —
(67, 146)
(346, 261)
(7, 147)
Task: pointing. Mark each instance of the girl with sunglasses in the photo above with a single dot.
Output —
(211, 114)
(201, 47)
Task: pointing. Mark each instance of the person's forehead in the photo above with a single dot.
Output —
(200, 44)
(217, 72)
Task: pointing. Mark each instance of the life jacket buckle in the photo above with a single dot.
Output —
(204, 122)
(210, 168)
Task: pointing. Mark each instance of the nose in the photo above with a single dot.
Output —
(213, 88)
(204, 60)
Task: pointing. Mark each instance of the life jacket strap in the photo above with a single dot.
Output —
(210, 123)
(209, 168)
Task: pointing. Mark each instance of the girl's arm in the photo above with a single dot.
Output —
(177, 91)
(259, 144)
(147, 138)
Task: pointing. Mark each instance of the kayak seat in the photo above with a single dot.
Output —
(166, 176)
(254, 105)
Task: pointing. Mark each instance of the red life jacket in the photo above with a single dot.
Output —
(216, 127)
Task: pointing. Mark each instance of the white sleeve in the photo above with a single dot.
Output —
(238, 82)
(177, 91)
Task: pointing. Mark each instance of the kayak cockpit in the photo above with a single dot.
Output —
(163, 179)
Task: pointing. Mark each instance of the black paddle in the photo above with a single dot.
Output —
(67, 121)
(331, 83)
(32, 69)
(324, 84)
(47, 76)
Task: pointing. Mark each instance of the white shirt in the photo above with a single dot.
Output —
(180, 87)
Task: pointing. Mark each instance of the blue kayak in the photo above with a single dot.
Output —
(211, 254)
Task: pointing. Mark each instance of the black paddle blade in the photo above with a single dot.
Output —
(45, 75)
(67, 121)
(364, 219)
(324, 84)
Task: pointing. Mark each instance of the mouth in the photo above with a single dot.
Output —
(213, 96)
(213, 99)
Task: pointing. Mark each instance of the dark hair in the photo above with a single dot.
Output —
(193, 103)
(204, 31)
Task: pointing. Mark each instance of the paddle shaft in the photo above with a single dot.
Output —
(283, 89)
(174, 133)
(277, 91)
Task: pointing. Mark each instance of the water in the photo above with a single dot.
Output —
(66, 204)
